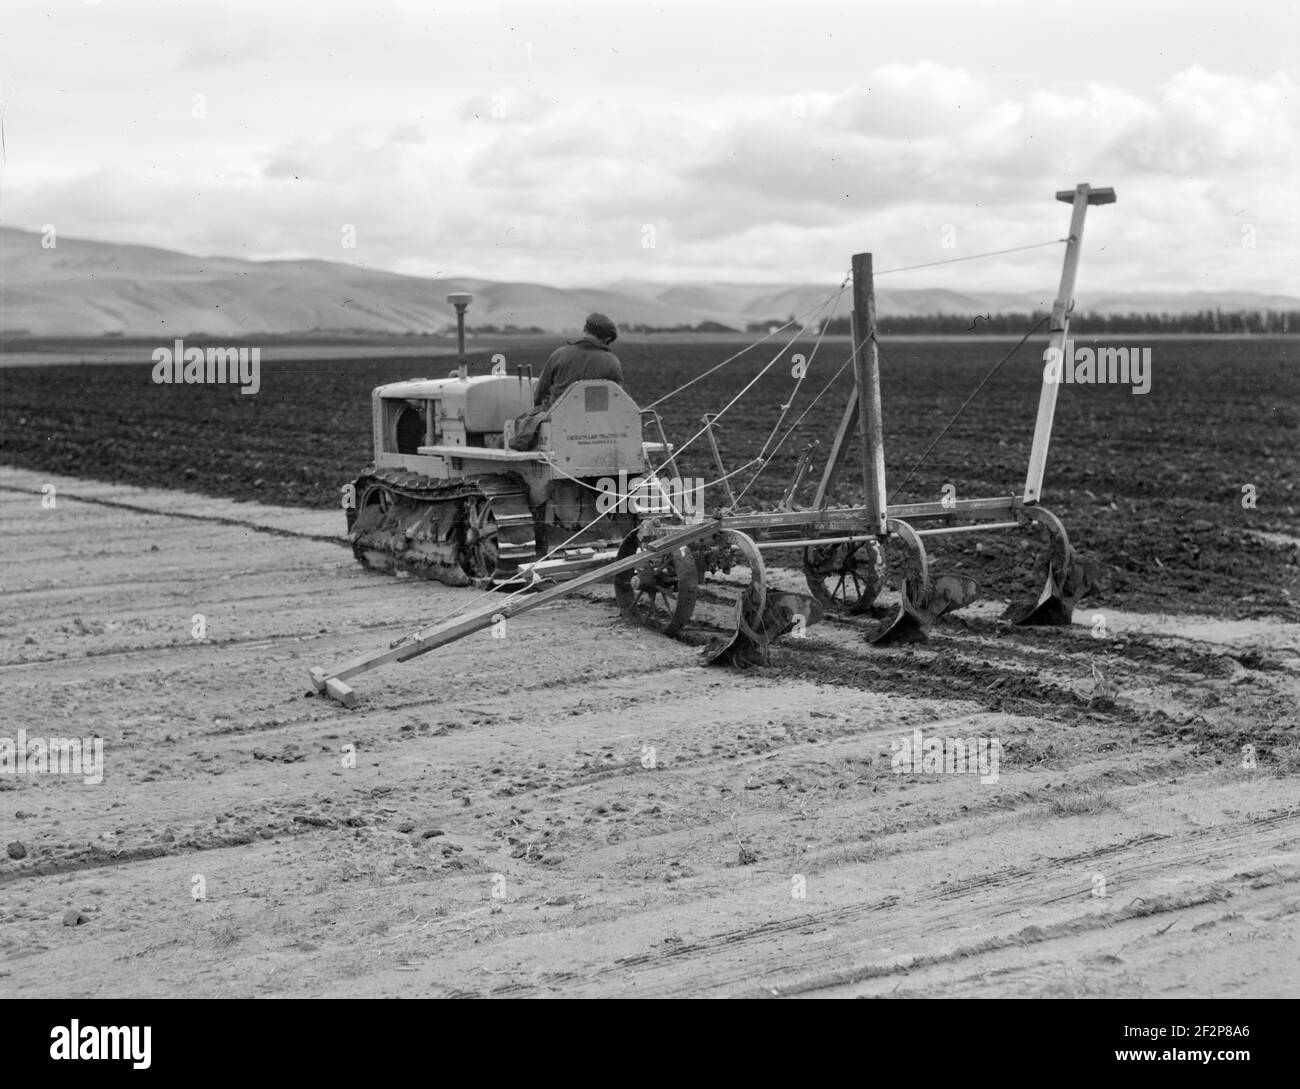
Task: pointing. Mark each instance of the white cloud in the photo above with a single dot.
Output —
(912, 100)
(505, 144)
(507, 104)
(1216, 124)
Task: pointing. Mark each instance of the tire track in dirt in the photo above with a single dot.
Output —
(1014, 889)
(134, 508)
(1029, 937)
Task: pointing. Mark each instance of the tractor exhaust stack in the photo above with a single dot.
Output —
(461, 300)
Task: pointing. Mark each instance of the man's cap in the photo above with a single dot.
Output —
(601, 326)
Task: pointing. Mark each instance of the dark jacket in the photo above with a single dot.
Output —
(577, 361)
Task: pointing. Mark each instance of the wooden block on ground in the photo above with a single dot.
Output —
(341, 692)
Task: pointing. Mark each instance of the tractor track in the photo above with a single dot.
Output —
(682, 773)
(127, 654)
(43, 594)
(1029, 937)
(240, 523)
(102, 858)
(660, 972)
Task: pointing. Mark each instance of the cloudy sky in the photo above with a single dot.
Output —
(583, 143)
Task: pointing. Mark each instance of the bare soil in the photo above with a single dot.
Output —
(580, 808)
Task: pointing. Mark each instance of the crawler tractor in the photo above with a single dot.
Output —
(447, 499)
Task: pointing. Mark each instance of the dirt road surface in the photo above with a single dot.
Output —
(579, 808)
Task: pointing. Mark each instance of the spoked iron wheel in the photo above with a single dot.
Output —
(660, 593)
(480, 546)
(845, 578)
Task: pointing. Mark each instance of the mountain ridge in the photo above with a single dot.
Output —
(91, 288)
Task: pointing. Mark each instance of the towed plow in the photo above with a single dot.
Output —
(658, 564)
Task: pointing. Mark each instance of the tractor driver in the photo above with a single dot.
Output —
(586, 358)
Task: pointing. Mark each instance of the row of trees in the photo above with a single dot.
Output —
(1202, 321)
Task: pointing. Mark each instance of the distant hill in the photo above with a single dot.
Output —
(85, 288)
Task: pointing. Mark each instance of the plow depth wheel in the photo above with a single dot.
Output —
(845, 578)
(660, 594)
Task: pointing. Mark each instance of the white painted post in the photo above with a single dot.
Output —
(1059, 328)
